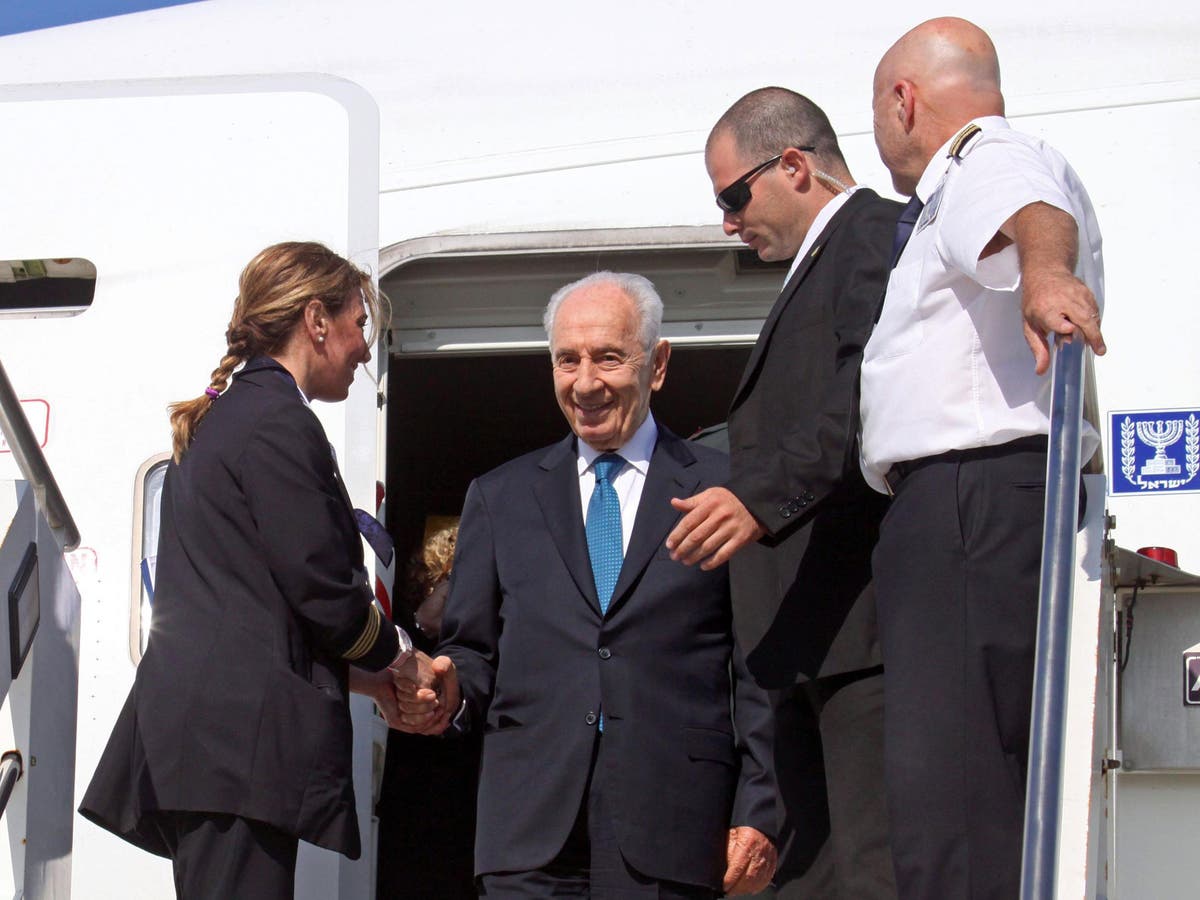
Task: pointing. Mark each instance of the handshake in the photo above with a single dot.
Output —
(420, 695)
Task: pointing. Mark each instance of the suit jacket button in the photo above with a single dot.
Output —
(784, 512)
(590, 718)
(604, 652)
(808, 495)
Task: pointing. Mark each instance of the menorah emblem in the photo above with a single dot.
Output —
(1135, 469)
(1160, 435)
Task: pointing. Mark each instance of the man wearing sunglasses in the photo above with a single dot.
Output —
(796, 521)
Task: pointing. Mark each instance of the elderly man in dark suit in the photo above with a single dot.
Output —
(626, 752)
(796, 511)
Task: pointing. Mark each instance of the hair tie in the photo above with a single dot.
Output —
(212, 392)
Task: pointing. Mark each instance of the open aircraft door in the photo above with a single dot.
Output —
(167, 187)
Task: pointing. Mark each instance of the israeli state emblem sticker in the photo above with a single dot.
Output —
(1154, 451)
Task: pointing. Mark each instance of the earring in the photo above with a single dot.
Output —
(320, 338)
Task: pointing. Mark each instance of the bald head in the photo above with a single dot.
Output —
(931, 82)
(954, 63)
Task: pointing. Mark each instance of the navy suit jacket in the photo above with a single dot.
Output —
(801, 608)
(537, 661)
(239, 704)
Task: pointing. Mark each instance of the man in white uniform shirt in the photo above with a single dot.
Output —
(1004, 250)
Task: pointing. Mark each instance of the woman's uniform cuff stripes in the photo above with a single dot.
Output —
(367, 637)
(376, 646)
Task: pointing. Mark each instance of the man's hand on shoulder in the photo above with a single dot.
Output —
(715, 526)
(750, 861)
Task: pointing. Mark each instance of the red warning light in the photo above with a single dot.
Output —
(1161, 554)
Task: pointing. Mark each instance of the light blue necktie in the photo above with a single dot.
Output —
(604, 529)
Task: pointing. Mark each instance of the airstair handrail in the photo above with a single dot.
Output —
(29, 456)
(11, 770)
(1043, 795)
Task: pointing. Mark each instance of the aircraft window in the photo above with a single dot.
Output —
(148, 496)
(42, 287)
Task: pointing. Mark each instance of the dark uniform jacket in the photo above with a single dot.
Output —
(538, 663)
(239, 704)
(799, 607)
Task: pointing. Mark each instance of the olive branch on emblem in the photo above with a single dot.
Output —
(1128, 448)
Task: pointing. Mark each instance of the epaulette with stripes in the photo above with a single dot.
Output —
(959, 144)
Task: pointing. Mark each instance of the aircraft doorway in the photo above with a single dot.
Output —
(450, 419)
(469, 386)
(469, 381)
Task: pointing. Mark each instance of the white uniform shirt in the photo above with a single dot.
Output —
(947, 366)
(628, 482)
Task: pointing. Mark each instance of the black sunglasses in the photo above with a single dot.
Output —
(735, 197)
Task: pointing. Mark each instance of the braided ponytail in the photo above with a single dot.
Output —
(273, 290)
(186, 414)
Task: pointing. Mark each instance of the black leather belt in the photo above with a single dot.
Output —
(901, 470)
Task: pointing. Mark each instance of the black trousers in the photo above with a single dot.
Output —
(590, 864)
(426, 815)
(956, 580)
(222, 857)
(829, 765)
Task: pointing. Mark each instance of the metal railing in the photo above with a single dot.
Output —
(1043, 795)
(33, 465)
(11, 770)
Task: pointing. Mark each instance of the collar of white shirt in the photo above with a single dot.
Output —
(818, 225)
(636, 451)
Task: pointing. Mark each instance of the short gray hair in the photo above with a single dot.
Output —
(640, 290)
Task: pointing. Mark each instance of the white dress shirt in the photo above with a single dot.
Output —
(628, 482)
(947, 366)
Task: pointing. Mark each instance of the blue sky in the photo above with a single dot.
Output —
(31, 15)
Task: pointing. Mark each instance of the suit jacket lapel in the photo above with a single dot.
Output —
(788, 293)
(668, 476)
(557, 493)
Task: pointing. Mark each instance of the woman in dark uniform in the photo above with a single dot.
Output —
(235, 740)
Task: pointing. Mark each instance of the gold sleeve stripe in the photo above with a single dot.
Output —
(366, 640)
